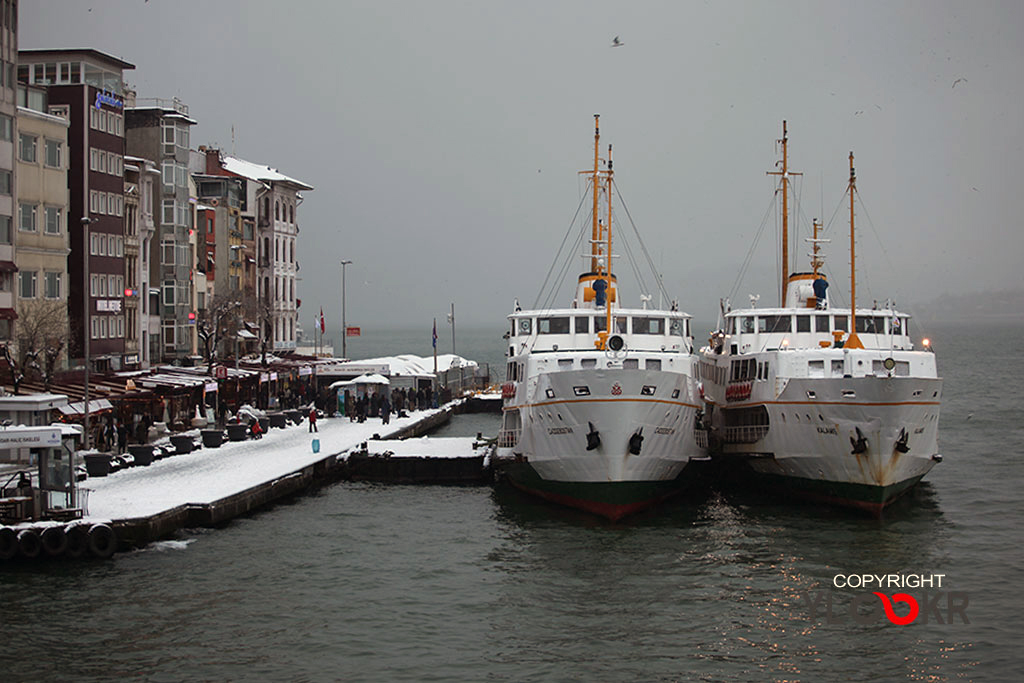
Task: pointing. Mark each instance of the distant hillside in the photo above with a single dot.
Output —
(982, 306)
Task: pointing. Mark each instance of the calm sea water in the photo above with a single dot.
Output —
(363, 582)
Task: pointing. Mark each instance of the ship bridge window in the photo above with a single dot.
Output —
(821, 323)
(581, 325)
(621, 326)
(525, 326)
(553, 325)
(648, 326)
(841, 322)
(803, 323)
(870, 324)
(743, 369)
(773, 323)
(746, 324)
(680, 328)
(600, 323)
(730, 326)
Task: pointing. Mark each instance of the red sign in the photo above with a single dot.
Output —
(352, 331)
(220, 372)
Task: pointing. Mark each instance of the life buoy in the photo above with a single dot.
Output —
(78, 541)
(29, 543)
(102, 541)
(8, 543)
(54, 540)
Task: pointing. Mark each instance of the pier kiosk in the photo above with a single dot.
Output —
(48, 488)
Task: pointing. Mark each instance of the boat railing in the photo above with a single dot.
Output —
(507, 438)
(745, 434)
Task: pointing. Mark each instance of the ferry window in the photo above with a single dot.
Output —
(588, 363)
(868, 324)
(677, 328)
(524, 326)
(841, 322)
(582, 325)
(730, 326)
(631, 364)
(565, 363)
(773, 323)
(898, 325)
(553, 326)
(803, 323)
(653, 364)
(821, 323)
(600, 324)
(513, 332)
(879, 324)
(746, 324)
(648, 326)
(837, 368)
(621, 325)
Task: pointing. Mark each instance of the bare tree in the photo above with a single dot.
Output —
(217, 322)
(41, 331)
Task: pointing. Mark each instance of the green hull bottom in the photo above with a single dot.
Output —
(613, 500)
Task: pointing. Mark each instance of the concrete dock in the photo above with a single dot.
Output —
(211, 486)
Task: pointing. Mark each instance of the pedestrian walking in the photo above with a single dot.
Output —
(312, 420)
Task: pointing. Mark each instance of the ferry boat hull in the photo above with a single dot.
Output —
(847, 445)
(550, 457)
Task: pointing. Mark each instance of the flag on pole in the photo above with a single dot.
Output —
(322, 330)
(435, 333)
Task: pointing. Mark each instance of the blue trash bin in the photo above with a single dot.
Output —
(316, 445)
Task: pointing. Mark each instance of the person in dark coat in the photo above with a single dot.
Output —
(385, 409)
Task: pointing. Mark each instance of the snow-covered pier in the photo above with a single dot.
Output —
(210, 486)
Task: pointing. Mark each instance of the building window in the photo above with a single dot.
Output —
(27, 284)
(101, 206)
(27, 217)
(6, 128)
(52, 220)
(94, 201)
(5, 230)
(5, 182)
(94, 159)
(168, 292)
(27, 147)
(52, 285)
(94, 324)
(54, 153)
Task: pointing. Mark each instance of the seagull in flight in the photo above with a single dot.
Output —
(616, 42)
(958, 80)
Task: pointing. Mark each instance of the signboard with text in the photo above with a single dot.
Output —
(353, 331)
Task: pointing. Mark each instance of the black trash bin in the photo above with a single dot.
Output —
(212, 438)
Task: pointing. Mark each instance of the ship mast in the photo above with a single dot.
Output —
(784, 173)
(853, 341)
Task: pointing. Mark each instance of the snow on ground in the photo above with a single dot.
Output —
(429, 447)
(210, 474)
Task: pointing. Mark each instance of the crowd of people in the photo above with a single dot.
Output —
(384, 404)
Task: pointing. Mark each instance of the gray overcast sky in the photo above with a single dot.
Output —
(444, 138)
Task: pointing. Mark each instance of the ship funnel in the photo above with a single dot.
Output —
(807, 290)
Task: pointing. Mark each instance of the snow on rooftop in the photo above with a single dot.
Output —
(248, 169)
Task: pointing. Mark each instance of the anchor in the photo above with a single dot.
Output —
(901, 442)
(860, 444)
(593, 437)
(636, 441)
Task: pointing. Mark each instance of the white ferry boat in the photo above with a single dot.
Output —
(600, 401)
(833, 403)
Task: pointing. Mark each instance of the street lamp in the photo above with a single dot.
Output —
(344, 328)
(86, 306)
